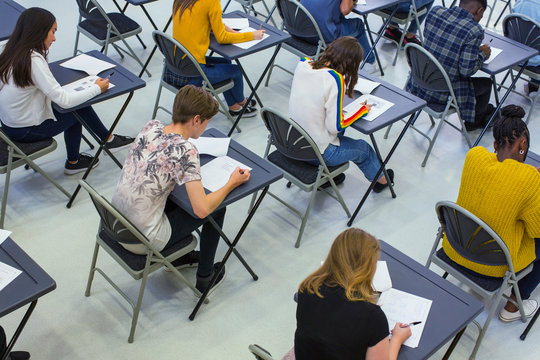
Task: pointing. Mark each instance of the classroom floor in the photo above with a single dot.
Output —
(67, 325)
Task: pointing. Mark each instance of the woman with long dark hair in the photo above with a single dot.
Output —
(27, 88)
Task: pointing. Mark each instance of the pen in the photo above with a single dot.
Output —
(111, 74)
(241, 172)
(413, 323)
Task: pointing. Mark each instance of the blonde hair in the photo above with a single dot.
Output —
(351, 264)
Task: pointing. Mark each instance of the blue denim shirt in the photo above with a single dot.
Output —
(327, 15)
(530, 8)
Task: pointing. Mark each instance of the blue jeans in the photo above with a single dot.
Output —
(66, 123)
(404, 7)
(355, 27)
(357, 151)
(216, 70)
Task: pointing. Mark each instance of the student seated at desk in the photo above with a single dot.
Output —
(27, 88)
(454, 37)
(316, 104)
(162, 157)
(531, 8)
(192, 22)
(337, 316)
(505, 193)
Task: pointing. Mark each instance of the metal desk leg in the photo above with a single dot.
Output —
(253, 89)
(153, 50)
(248, 82)
(101, 147)
(453, 344)
(410, 122)
(376, 148)
(20, 328)
(229, 252)
(529, 325)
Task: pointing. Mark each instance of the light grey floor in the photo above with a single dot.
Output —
(67, 325)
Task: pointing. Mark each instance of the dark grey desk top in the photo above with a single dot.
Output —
(124, 80)
(404, 104)
(31, 284)
(9, 14)
(374, 5)
(139, 2)
(231, 52)
(451, 309)
(263, 173)
(514, 53)
(532, 159)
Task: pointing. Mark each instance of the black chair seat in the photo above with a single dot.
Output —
(305, 172)
(436, 107)
(303, 46)
(99, 28)
(27, 148)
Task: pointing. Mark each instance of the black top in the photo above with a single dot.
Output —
(333, 327)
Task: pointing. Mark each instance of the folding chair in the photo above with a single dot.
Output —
(476, 241)
(306, 37)
(248, 7)
(427, 72)
(294, 149)
(179, 61)
(404, 18)
(14, 154)
(525, 30)
(114, 229)
(106, 28)
(507, 5)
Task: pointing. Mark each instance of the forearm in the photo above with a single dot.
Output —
(394, 349)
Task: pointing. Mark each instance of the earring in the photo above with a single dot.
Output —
(521, 152)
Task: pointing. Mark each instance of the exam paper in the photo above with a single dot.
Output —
(82, 84)
(216, 173)
(247, 44)
(88, 64)
(378, 106)
(7, 274)
(365, 86)
(236, 23)
(494, 52)
(4, 235)
(361, 2)
(381, 280)
(211, 145)
(400, 306)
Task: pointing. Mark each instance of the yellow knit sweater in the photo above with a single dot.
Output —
(506, 195)
(193, 29)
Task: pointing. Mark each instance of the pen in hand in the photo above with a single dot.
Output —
(111, 74)
(411, 324)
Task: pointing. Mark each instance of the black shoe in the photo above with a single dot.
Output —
(252, 103)
(202, 282)
(338, 180)
(84, 162)
(531, 87)
(471, 126)
(19, 355)
(250, 111)
(190, 260)
(413, 40)
(380, 187)
(118, 142)
(392, 34)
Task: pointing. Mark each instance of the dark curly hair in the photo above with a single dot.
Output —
(510, 127)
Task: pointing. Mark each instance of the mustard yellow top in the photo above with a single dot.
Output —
(192, 29)
(506, 196)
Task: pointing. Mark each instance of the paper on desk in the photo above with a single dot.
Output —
(400, 306)
(247, 44)
(211, 145)
(365, 86)
(494, 52)
(83, 84)
(4, 235)
(381, 280)
(236, 23)
(378, 106)
(217, 172)
(88, 64)
(361, 2)
(7, 274)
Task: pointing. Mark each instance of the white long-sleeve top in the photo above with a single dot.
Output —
(31, 105)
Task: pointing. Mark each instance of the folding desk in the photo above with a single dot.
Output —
(27, 288)
(232, 52)
(533, 159)
(513, 53)
(263, 174)
(405, 104)
(451, 311)
(124, 81)
(9, 14)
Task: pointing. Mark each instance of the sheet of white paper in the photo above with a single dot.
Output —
(236, 23)
(7, 274)
(365, 86)
(83, 84)
(378, 106)
(382, 280)
(88, 64)
(399, 306)
(211, 145)
(494, 52)
(217, 172)
(247, 44)
(4, 235)
(361, 2)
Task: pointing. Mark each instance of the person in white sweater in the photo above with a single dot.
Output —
(316, 104)
(27, 88)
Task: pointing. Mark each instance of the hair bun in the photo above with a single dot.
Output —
(513, 111)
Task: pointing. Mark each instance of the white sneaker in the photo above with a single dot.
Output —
(370, 68)
(529, 305)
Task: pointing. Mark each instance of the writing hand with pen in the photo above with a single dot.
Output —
(239, 176)
(258, 34)
(402, 332)
(486, 49)
(103, 83)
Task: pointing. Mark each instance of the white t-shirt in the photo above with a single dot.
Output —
(31, 105)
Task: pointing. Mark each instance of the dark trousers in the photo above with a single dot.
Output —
(532, 279)
(482, 93)
(66, 123)
(183, 224)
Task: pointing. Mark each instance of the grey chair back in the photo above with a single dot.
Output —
(89, 11)
(177, 58)
(522, 29)
(298, 21)
(426, 71)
